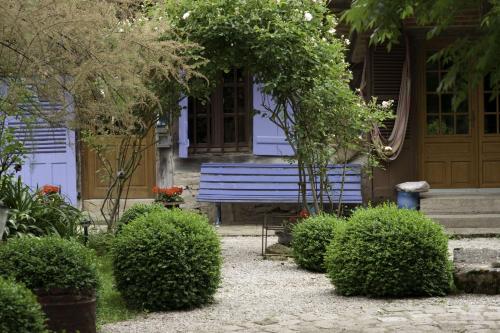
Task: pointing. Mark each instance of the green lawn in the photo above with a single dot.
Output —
(110, 305)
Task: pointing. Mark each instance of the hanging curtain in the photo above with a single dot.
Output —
(390, 148)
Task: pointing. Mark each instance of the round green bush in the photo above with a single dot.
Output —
(310, 240)
(389, 252)
(49, 263)
(169, 259)
(19, 309)
(137, 210)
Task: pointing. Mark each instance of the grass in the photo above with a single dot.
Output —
(110, 305)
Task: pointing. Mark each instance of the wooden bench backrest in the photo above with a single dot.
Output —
(272, 183)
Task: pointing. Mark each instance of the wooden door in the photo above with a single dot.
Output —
(448, 140)
(489, 136)
(94, 183)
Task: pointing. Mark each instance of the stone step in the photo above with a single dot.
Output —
(467, 220)
(465, 204)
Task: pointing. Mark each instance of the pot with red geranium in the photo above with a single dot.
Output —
(285, 236)
(169, 197)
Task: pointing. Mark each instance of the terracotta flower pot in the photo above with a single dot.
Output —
(69, 312)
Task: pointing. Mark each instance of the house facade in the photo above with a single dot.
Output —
(452, 149)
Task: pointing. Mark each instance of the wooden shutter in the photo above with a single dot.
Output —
(183, 129)
(386, 74)
(268, 139)
(51, 157)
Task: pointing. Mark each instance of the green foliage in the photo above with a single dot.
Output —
(110, 304)
(33, 213)
(20, 311)
(11, 149)
(100, 242)
(386, 251)
(168, 259)
(292, 50)
(471, 57)
(49, 263)
(138, 210)
(310, 240)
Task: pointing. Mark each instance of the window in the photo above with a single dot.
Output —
(442, 118)
(491, 109)
(223, 123)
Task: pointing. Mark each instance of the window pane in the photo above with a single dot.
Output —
(239, 75)
(240, 100)
(487, 83)
(446, 106)
(432, 81)
(490, 124)
(241, 129)
(447, 125)
(191, 129)
(431, 65)
(229, 130)
(433, 125)
(202, 126)
(432, 103)
(190, 105)
(462, 125)
(463, 107)
(202, 107)
(489, 104)
(228, 99)
(229, 77)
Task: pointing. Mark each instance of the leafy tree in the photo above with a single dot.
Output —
(291, 49)
(471, 57)
(105, 60)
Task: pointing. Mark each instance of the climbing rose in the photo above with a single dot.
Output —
(186, 15)
(308, 16)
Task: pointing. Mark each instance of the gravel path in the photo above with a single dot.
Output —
(272, 296)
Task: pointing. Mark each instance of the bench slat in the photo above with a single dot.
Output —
(268, 171)
(270, 186)
(268, 179)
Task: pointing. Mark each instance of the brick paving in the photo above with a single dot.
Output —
(275, 296)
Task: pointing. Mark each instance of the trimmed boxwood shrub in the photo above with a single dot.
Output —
(137, 210)
(168, 259)
(310, 240)
(49, 263)
(386, 251)
(19, 309)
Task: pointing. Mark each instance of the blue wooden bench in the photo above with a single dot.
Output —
(270, 183)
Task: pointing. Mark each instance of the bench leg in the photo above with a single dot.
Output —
(218, 214)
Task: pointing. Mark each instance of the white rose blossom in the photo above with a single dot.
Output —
(332, 31)
(347, 41)
(186, 15)
(308, 17)
(386, 104)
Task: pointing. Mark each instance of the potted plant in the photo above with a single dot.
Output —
(170, 197)
(285, 236)
(63, 276)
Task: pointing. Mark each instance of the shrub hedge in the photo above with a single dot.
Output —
(49, 263)
(310, 240)
(137, 210)
(169, 259)
(386, 251)
(19, 309)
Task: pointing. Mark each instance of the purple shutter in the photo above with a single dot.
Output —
(183, 129)
(51, 157)
(268, 139)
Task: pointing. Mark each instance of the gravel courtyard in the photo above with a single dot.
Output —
(272, 296)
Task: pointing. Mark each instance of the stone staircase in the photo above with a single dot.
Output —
(464, 209)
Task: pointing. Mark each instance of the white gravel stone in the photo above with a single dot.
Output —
(256, 293)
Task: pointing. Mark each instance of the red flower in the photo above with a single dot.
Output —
(304, 214)
(50, 189)
(168, 193)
